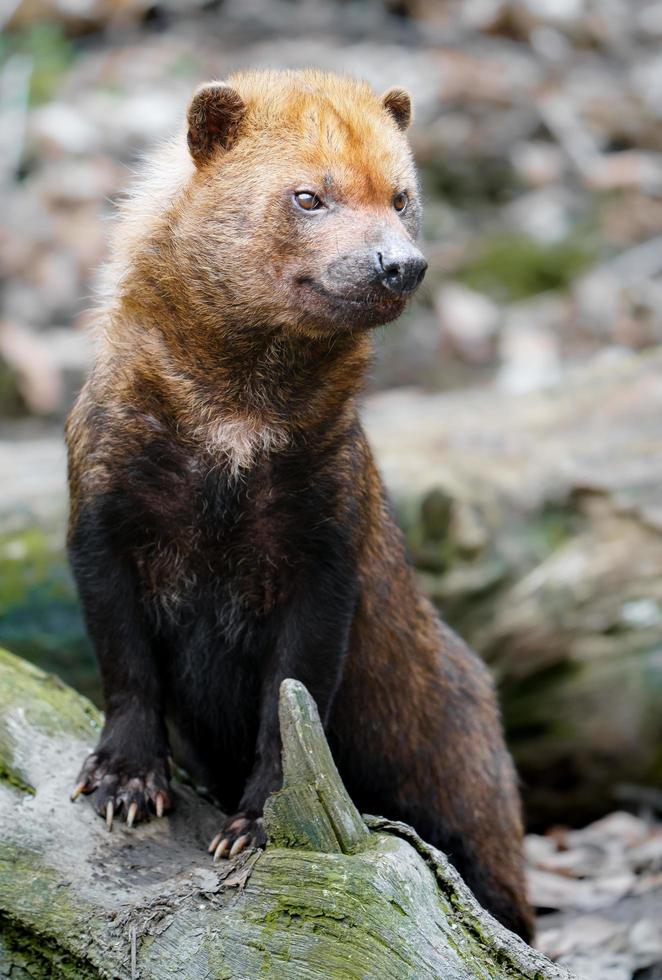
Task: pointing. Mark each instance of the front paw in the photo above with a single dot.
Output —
(132, 792)
(239, 832)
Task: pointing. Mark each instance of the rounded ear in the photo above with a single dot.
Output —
(214, 115)
(397, 102)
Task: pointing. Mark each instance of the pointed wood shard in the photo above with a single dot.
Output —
(313, 811)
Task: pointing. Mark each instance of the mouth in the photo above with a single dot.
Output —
(370, 301)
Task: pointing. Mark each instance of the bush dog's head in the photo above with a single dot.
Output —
(302, 209)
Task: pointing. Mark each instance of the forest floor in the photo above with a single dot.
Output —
(598, 892)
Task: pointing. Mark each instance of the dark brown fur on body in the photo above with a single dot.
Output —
(228, 525)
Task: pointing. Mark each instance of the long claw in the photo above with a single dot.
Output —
(110, 812)
(221, 850)
(160, 804)
(131, 814)
(78, 790)
(239, 844)
(214, 844)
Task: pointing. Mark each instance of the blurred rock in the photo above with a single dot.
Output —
(649, 19)
(646, 79)
(469, 321)
(627, 169)
(58, 128)
(599, 301)
(64, 184)
(530, 358)
(494, 78)
(543, 214)
(598, 965)
(550, 45)
(537, 163)
(560, 12)
(528, 345)
(617, 299)
(70, 352)
(76, 15)
(37, 377)
(484, 15)
(148, 116)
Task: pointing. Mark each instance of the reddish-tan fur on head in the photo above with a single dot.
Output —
(224, 297)
(233, 246)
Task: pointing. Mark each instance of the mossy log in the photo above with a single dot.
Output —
(332, 895)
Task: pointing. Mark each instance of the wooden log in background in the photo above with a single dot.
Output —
(536, 522)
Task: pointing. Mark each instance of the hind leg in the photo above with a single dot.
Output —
(482, 842)
(418, 739)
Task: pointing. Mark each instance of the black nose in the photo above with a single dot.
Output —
(401, 272)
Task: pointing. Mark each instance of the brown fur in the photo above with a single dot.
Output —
(218, 344)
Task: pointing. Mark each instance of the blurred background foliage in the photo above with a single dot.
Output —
(537, 134)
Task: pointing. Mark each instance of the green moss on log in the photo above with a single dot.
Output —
(25, 956)
(147, 902)
(50, 705)
(45, 704)
(13, 778)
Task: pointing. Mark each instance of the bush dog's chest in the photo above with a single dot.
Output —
(254, 535)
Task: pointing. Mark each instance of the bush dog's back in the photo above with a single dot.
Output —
(228, 526)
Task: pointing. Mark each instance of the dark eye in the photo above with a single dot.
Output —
(307, 201)
(400, 201)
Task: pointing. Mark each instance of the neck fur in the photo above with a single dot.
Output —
(242, 393)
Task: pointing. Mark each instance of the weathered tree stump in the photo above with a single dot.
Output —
(327, 898)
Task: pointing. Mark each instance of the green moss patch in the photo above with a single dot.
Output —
(48, 704)
(25, 955)
(514, 267)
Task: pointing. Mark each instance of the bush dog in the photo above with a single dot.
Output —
(228, 525)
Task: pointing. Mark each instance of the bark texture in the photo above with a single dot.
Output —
(333, 894)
